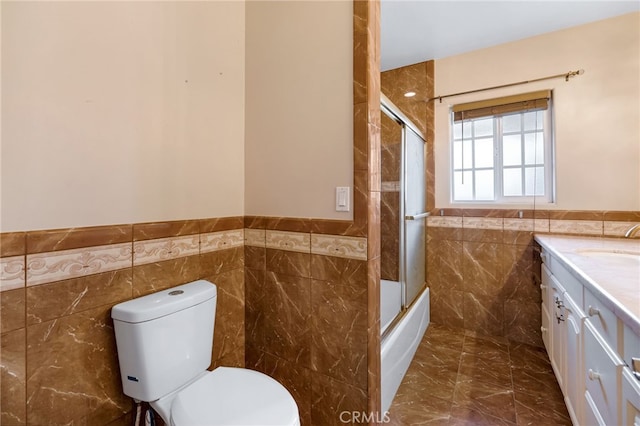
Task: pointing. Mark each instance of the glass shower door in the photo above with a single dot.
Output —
(415, 214)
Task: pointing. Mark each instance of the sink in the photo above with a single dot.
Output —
(612, 256)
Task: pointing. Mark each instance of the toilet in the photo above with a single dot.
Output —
(164, 343)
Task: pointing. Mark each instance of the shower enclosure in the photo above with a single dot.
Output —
(404, 297)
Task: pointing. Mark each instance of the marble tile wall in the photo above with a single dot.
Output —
(483, 265)
(58, 355)
(306, 317)
(418, 78)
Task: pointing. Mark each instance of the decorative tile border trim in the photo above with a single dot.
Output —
(221, 240)
(255, 237)
(339, 246)
(290, 241)
(61, 265)
(151, 251)
(40, 268)
(581, 227)
(541, 225)
(495, 223)
(617, 229)
(518, 224)
(444, 221)
(12, 274)
(529, 224)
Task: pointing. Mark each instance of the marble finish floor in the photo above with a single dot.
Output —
(456, 378)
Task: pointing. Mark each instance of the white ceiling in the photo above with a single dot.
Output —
(420, 30)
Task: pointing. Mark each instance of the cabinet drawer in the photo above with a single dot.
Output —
(602, 319)
(602, 375)
(630, 399)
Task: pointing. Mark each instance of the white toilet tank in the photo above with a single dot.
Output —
(164, 339)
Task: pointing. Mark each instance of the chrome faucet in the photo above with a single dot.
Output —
(631, 231)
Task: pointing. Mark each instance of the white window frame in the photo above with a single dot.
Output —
(498, 166)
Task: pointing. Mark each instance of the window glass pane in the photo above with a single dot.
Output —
(484, 185)
(457, 155)
(511, 123)
(518, 143)
(462, 191)
(457, 129)
(534, 175)
(484, 152)
(483, 127)
(534, 148)
(533, 120)
(511, 150)
(512, 182)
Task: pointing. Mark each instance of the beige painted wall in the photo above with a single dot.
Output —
(597, 115)
(299, 107)
(120, 112)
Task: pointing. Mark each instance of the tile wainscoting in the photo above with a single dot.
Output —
(293, 298)
(59, 360)
(306, 317)
(305, 295)
(483, 265)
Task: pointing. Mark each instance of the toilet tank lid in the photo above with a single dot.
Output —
(165, 302)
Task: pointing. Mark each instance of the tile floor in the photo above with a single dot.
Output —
(460, 379)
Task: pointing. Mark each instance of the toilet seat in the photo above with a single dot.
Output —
(234, 396)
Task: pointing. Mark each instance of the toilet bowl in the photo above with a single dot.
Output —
(164, 343)
(230, 396)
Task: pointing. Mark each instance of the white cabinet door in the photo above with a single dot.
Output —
(558, 331)
(574, 382)
(545, 329)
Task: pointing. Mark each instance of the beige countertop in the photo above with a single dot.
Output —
(608, 267)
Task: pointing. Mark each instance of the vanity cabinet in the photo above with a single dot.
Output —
(563, 343)
(590, 350)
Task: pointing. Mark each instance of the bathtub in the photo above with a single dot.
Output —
(399, 346)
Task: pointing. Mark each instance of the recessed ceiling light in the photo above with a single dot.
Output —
(409, 94)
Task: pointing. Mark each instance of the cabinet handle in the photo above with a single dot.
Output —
(594, 375)
(543, 287)
(593, 311)
(544, 329)
(543, 256)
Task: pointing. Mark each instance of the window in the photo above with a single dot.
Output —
(502, 150)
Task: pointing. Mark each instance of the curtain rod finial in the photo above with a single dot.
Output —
(573, 74)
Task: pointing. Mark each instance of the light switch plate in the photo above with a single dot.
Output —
(343, 201)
